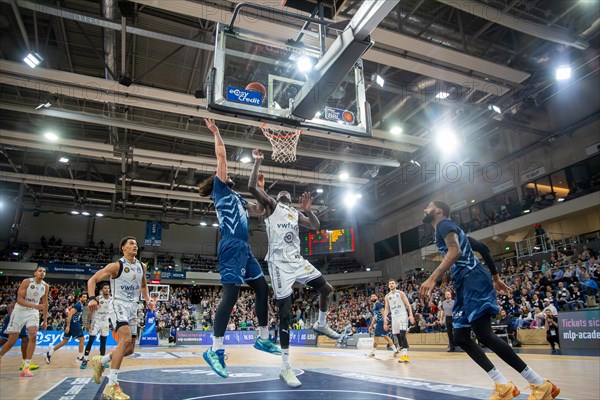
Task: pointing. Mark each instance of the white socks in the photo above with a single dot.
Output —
(113, 377)
(285, 357)
(497, 376)
(105, 359)
(217, 343)
(51, 351)
(264, 332)
(322, 318)
(26, 364)
(531, 376)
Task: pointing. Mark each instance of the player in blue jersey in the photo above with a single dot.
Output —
(475, 306)
(378, 326)
(237, 264)
(73, 329)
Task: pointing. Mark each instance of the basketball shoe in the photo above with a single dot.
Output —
(98, 369)
(404, 359)
(544, 391)
(504, 392)
(48, 357)
(266, 346)
(325, 330)
(114, 392)
(216, 361)
(26, 373)
(32, 367)
(83, 364)
(289, 377)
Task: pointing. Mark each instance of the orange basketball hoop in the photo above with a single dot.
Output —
(284, 142)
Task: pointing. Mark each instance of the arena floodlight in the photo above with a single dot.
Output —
(99, 214)
(319, 190)
(33, 59)
(442, 95)
(379, 80)
(446, 140)
(53, 137)
(563, 73)
(215, 224)
(85, 213)
(304, 64)
(396, 130)
(495, 108)
(344, 176)
(74, 212)
(202, 223)
(245, 160)
(63, 160)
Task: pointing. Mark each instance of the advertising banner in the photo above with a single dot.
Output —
(579, 332)
(149, 335)
(52, 338)
(303, 337)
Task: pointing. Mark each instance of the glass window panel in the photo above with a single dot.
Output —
(560, 184)
(543, 185)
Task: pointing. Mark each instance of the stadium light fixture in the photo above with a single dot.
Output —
(495, 108)
(526, 211)
(446, 140)
(344, 176)
(63, 160)
(396, 130)
(563, 73)
(53, 137)
(99, 214)
(379, 80)
(560, 199)
(33, 59)
(74, 212)
(351, 198)
(85, 213)
(304, 64)
(202, 223)
(215, 224)
(245, 160)
(319, 190)
(15, 253)
(442, 95)
(45, 104)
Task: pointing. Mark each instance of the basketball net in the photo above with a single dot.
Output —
(283, 140)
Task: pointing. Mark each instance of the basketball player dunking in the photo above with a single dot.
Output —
(397, 303)
(237, 264)
(99, 324)
(475, 305)
(286, 265)
(32, 297)
(127, 281)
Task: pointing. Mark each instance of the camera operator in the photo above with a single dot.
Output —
(551, 322)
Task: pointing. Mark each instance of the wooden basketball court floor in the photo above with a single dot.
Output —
(326, 373)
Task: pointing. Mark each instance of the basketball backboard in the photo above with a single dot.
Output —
(258, 77)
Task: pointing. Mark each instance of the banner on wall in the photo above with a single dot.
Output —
(579, 332)
(149, 336)
(303, 337)
(71, 269)
(153, 233)
(52, 338)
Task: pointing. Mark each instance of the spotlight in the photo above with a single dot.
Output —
(15, 253)
(344, 176)
(85, 213)
(442, 95)
(414, 162)
(99, 214)
(202, 223)
(351, 198)
(33, 59)
(563, 73)
(51, 136)
(472, 201)
(560, 199)
(63, 160)
(46, 104)
(378, 79)
(75, 212)
(396, 130)
(367, 269)
(245, 160)
(304, 64)
(495, 108)
(319, 190)
(526, 211)
(446, 140)
(215, 224)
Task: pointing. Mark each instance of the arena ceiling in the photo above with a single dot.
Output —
(142, 149)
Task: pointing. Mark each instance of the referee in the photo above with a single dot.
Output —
(446, 307)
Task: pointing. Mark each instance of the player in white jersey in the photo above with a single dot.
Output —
(127, 280)
(32, 297)
(286, 265)
(98, 323)
(398, 305)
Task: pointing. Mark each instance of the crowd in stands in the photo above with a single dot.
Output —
(53, 251)
(199, 263)
(13, 252)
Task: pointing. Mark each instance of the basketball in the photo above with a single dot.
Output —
(257, 87)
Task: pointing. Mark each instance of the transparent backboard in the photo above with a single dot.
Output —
(259, 78)
(158, 292)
